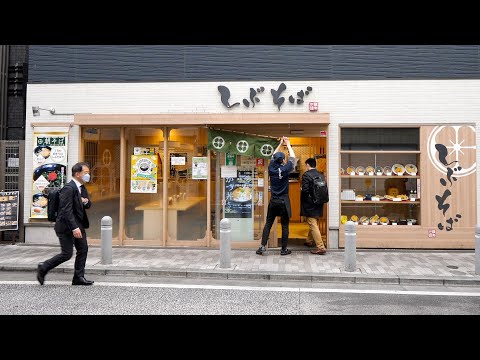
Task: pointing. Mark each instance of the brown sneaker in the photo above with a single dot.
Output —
(319, 251)
(309, 244)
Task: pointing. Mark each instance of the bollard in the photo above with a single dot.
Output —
(477, 249)
(350, 246)
(225, 230)
(106, 240)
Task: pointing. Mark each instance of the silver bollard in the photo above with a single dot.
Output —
(350, 246)
(225, 230)
(477, 249)
(106, 240)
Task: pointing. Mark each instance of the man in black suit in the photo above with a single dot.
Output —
(72, 220)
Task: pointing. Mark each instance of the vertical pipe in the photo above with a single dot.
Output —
(4, 59)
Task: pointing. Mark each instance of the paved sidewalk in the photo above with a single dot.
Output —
(382, 266)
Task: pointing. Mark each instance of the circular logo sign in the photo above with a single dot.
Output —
(242, 146)
(218, 142)
(457, 140)
(266, 150)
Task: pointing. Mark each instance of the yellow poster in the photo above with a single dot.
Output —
(144, 174)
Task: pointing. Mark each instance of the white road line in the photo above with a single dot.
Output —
(259, 288)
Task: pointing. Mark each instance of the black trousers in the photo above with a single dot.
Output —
(276, 207)
(67, 241)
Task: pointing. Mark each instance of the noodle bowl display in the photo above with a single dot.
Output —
(242, 194)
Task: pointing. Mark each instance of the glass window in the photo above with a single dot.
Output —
(102, 153)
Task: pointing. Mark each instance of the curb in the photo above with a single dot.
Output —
(269, 276)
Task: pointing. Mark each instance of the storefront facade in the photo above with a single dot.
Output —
(157, 174)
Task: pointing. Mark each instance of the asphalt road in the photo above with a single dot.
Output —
(20, 294)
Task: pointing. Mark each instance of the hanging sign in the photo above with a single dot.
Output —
(241, 144)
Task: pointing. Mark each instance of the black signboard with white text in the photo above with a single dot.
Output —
(9, 210)
(238, 195)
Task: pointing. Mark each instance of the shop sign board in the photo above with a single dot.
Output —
(9, 210)
(49, 151)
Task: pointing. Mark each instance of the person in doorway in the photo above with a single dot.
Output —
(312, 212)
(72, 220)
(279, 171)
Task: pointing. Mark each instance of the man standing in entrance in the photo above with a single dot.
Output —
(309, 209)
(70, 226)
(279, 171)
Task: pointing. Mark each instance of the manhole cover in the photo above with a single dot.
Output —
(452, 267)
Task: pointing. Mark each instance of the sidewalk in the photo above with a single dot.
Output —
(436, 267)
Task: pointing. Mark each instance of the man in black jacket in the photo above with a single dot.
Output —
(72, 220)
(311, 211)
(279, 171)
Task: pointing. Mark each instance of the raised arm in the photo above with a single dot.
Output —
(278, 147)
(286, 141)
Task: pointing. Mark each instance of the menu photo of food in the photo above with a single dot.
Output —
(242, 194)
(49, 176)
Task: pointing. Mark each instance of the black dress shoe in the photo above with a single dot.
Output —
(41, 273)
(82, 281)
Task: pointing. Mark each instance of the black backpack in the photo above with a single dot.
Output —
(53, 204)
(319, 190)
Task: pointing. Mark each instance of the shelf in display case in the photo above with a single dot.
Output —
(381, 176)
(379, 152)
(369, 202)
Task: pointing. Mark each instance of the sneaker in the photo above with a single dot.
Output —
(309, 244)
(261, 250)
(285, 252)
(319, 251)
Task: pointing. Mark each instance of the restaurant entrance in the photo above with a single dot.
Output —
(247, 208)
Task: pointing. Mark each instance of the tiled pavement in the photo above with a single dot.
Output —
(385, 266)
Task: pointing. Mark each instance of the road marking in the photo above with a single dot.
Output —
(259, 288)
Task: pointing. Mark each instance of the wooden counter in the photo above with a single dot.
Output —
(153, 216)
(180, 205)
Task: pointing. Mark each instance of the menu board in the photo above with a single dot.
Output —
(238, 195)
(9, 210)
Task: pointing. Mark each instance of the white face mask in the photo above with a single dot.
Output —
(86, 178)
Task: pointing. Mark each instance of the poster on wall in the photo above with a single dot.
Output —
(144, 174)
(238, 195)
(199, 167)
(49, 168)
(178, 165)
(9, 210)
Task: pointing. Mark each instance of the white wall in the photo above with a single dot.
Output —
(348, 102)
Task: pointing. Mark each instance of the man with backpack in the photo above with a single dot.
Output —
(70, 225)
(314, 193)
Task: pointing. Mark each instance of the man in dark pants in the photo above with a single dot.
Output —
(279, 171)
(72, 220)
(312, 212)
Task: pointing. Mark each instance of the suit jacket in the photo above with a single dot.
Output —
(71, 211)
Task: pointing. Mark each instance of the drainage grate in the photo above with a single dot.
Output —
(452, 267)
